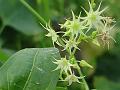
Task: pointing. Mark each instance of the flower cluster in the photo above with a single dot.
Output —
(93, 26)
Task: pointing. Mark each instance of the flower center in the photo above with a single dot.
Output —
(73, 78)
(76, 25)
(93, 17)
(65, 63)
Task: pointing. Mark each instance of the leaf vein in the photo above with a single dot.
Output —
(29, 76)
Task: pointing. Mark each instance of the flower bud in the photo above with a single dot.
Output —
(83, 63)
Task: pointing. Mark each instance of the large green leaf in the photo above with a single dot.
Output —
(30, 69)
(14, 14)
(61, 88)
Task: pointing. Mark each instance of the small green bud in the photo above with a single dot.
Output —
(94, 34)
(93, 3)
(73, 61)
(83, 63)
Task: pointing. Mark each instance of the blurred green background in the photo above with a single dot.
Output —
(20, 29)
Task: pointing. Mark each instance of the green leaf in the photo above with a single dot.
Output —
(14, 14)
(61, 88)
(30, 69)
(76, 86)
(102, 83)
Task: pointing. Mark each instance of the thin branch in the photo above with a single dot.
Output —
(42, 20)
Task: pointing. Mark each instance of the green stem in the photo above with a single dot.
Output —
(83, 79)
(79, 70)
(33, 11)
(46, 9)
(72, 54)
(63, 44)
(74, 50)
(80, 73)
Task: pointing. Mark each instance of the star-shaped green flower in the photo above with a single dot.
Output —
(72, 78)
(94, 18)
(70, 44)
(52, 34)
(63, 65)
(74, 26)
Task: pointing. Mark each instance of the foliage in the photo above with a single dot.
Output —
(28, 69)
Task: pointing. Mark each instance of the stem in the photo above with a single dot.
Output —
(33, 11)
(63, 44)
(80, 73)
(46, 5)
(79, 70)
(83, 79)
(74, 50)
(72, 55)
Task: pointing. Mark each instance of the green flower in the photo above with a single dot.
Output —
(94, 18)
(72, 78)
(74, 26)
(52, 33)
(70, 44)
(63, 65)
